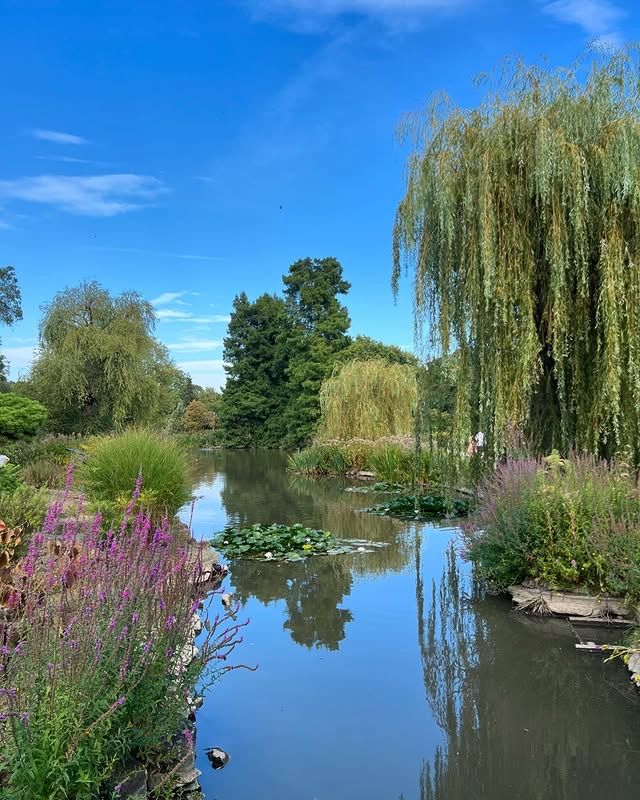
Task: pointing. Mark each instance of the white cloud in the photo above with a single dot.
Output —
(195, 345)
(65, 159)
(161, 254)
(207, 372)
(91, 195)
(58, 137)
(597, 18)
(167, 297)
(173, 315)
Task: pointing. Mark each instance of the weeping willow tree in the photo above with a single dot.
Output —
(368, 400)
(521, 226)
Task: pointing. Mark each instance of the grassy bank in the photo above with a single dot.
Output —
(391, 460)
(566, 524)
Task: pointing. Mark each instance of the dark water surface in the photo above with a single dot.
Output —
(385, 675)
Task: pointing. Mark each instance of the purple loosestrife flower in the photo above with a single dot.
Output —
(188, 736)
(170, 622)
(135, 618)
(146, 647)
(24, 717)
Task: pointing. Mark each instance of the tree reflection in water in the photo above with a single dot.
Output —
(523, 716)
(313, 591)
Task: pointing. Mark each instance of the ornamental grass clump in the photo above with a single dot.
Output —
(114, 462)
(564, 523)
(96, 653)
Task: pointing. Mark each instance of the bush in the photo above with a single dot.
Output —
(50, 447)
(563, 523)
(197, 417)
(20, 416)
(91, 672)
(115, 462)
(10, 478)
(199, 439)
(24, 508)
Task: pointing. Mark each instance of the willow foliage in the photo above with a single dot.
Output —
(521, 224)
(368, 400)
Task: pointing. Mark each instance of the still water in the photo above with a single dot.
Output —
(387, 676)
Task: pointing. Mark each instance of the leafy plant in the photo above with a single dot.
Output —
(423, 506)
(197, 417)
(20, 416)
(23, 508)
(565, 523)
(115, 462)
(10, 478)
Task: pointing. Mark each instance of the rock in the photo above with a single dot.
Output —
(181, 767)
(634, 663)
(132, 782)
(218, 758)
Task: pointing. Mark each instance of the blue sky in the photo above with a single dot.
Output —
(193, 150)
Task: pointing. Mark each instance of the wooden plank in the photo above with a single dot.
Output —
(605, 622)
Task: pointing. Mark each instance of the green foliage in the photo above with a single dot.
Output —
(197, 417)
(59, 448)
(278, 352)
(20, 416)
(407, 506)
(320, 459)
(563, 523)
(99, 365)
(23, 508)
(368, 400)
(521, 220)
(256, 391)
(198, 439)
(10, 311)
(10, 477)
(364, 348)
(274, 542)
(114, 463)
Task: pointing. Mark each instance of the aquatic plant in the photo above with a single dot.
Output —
(423, 506)
(565, 523)
(114, 462)
(274, 542)
(96, 652)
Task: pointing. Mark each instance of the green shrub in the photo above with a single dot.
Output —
(199, 439)
(114, 463)
(197, 417)
(50, 447)
(24, 508)
(564, 524)
(10, 478)
(20, 416)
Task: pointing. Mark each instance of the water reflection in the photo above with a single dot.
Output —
(313, 591)
(523, 715)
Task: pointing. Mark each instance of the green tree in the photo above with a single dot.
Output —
(521, 221)
(319, 325)
(99, 365)
(197, 417)
(10, 311)
(256, 389)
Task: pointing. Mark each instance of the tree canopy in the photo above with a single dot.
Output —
(99, 365)
(521, 226)
(277, 352)
(368, 400)
(10, 307)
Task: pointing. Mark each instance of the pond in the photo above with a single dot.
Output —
(388, 676)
